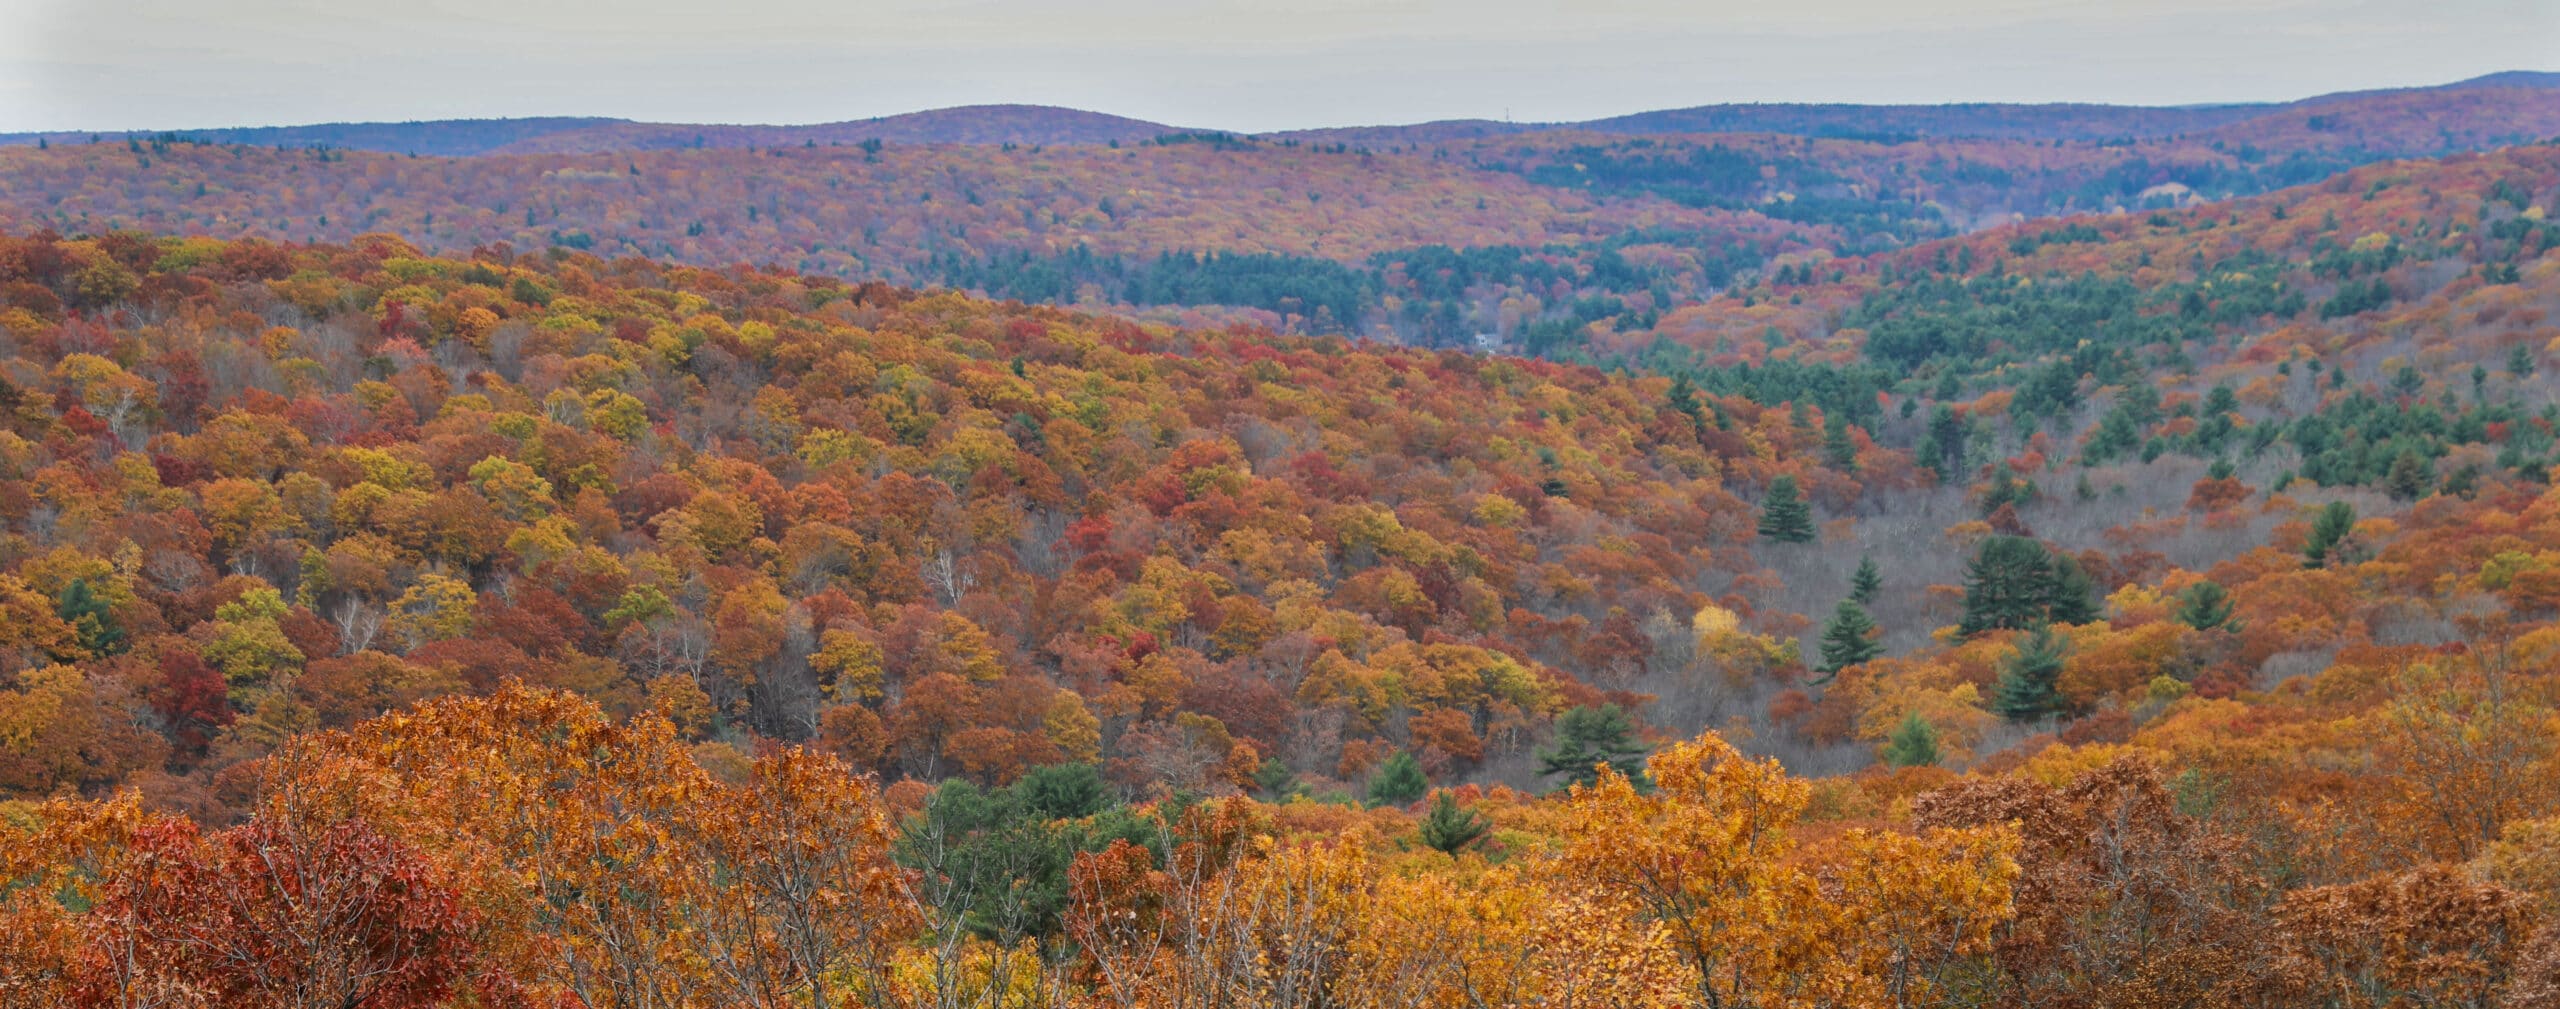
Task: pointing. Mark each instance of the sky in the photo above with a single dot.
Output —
(1222, 64)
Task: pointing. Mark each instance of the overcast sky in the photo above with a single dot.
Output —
(1254, 66)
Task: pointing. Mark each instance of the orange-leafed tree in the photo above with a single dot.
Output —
(1710, 854)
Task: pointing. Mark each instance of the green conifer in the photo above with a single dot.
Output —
(1684, 400)
(1587, 737)
(1399, 781)
(2327, 529)
(2026, 688)
(1867, 583)
(1450, 828)
(1849, 639)
(1838, 452)
(2204, 606)
(1274, 782)
(1914, 743)
(2410, 476)
(1784, 515)
(79, 606)
(2071, 596)
(2009, 585)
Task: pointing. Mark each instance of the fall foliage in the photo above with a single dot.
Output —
(2153, 608)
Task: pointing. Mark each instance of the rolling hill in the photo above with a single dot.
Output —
(2501, 105)
(974, 124)
(1974, 570)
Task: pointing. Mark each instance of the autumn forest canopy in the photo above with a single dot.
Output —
(1746, 556)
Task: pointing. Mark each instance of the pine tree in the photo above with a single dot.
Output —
(2520, 361)
(1849, 639)
(1784, 516)
(80, 607)
(2204, 606)
(1274, 782)
(2331, 526)
(1867, 583)
(2006, 491)
(2026, 688)
(1838, 452)
(2071, 596)
(2009, 585)
(1449, 828)
(1684, 400)
(1914, 744)
(2410, 476)
(1399, 781)
(1945, 452)
(1587, 737)
(2463, 482)
(2408, 382)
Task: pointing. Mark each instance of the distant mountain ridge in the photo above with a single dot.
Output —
(968, 124)
(1039, 124)
(442, 137)
(1952, 121)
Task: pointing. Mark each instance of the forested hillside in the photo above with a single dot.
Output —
(1439, 237)
(1946, 572)
(856, 645)
(2451, 116)
(797, 495)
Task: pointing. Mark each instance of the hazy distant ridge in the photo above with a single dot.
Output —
(1039, 124)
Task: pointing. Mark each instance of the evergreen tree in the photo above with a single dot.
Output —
(997, 859)
(2006, 489)
(1587, 737)
(2071, 596)
(1945, 451)
(2408, 382)
(2520, 361)
(1838, 452)
(2025, 691)
(1866, 583)
(2204, 606)
(1274, 782)
(80, 607)
(2410, 476)
(1399, 781)
(1849, 639)
(1914, 744)
(2008, 586)
(2327, 529)
(1064, 791)
(1449, 828)
(1684, 400)
(1784, 515)
(2463, 482)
